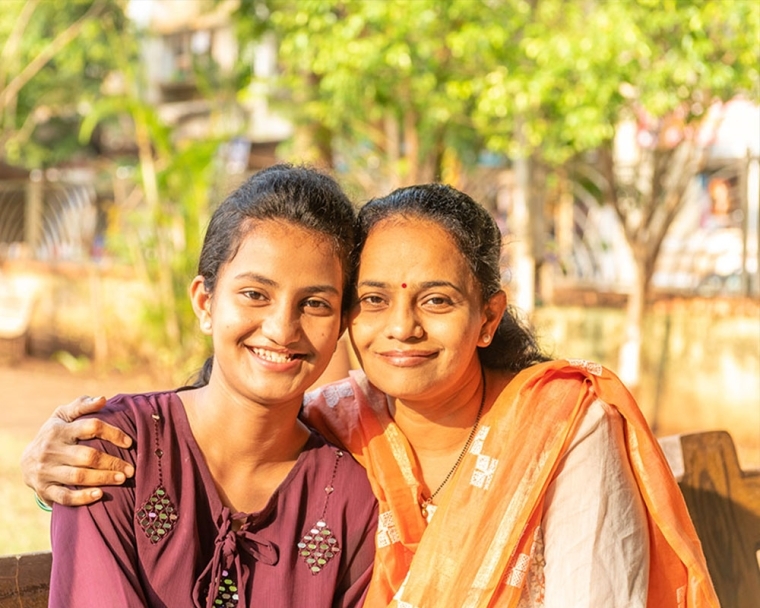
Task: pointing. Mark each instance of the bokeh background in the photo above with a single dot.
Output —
(616, 143)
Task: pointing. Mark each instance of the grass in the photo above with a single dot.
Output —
(25, 526)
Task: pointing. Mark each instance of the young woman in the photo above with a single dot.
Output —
(504, 479)
(235, 501)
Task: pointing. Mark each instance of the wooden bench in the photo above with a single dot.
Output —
(25, 580)
(723, 500)
(724, 504)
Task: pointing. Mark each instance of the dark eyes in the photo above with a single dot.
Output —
(433, 303)
(252, 294)
(311, 305)
(438, 301)
(371, 301)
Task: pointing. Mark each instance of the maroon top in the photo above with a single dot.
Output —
(166, 539)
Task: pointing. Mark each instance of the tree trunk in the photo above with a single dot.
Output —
(411, 149)
(629, 362)
(523, 284)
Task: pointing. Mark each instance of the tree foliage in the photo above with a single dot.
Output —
(405, 86)
(54, 58)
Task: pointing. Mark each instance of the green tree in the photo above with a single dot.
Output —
(587, 67)
(385, 89)
(53, 59)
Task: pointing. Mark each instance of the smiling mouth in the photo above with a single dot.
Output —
(275, 357)
(406, 359)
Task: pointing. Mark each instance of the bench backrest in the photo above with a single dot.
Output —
(25, 580)
(724, 504)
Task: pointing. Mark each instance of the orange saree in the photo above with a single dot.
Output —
(498, 492)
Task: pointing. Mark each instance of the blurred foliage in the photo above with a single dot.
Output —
(68, 70)
(161, 231)
(55, 57)
(511, 75)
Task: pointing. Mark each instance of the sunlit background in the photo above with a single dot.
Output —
(617, 144)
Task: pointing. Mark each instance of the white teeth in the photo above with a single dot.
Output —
(272, 356)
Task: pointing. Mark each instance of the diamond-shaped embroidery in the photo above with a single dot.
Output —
(318, 547)
(158, 515)
(227, 594)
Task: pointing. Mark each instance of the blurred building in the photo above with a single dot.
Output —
(712, 246)
(189, 45)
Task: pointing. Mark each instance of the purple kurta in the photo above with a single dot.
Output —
(166, 539)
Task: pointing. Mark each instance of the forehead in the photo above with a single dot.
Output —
(412, 249)
(282, 248)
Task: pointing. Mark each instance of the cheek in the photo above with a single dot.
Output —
(457, 333)
(362, 327)
(323, 333)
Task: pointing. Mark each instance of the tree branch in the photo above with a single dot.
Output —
(46, 54)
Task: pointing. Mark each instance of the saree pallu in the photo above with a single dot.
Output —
(477, 548)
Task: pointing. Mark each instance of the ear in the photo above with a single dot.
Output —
(492, 314)
(201, 300)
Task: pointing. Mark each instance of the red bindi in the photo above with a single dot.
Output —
(403, 285)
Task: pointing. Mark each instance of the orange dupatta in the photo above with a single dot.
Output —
(480, 540)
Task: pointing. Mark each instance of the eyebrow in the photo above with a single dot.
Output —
(423, 285)
(311, 289)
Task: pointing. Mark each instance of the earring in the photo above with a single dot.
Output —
(486, 338)
(206, 326)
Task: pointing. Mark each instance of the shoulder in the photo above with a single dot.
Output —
(344, 396)
(324, 453)
(339, 463)
(132, 412)
(599, 423)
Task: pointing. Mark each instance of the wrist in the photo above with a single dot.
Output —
(42, 504)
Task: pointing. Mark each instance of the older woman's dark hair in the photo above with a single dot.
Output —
(300, 196)
(476, 235)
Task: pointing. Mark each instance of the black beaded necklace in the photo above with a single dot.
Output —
(428, 501)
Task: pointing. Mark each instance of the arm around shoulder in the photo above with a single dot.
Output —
(55, 458)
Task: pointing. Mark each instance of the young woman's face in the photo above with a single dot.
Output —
(419, 315)
(275, 314)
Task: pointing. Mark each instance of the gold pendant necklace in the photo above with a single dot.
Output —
(426, 504)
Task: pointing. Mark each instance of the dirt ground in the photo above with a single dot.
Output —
(33, 388)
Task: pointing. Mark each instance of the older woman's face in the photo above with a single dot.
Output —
(419, 315)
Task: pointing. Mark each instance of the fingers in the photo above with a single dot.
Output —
(90, 464)
(79, 407)
(92, 428)
(72, 498)
(78, 476)
(80, 430)
(55, 458)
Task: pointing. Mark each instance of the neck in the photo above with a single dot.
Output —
(233, 432)
(440, 424)
(248, 448)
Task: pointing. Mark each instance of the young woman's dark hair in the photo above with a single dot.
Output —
(295, 195)
(473, 229)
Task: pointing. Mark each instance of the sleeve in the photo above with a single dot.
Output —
(94, 550)
(595, 531)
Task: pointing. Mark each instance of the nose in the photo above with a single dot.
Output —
(403, 322)
(283, 324)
